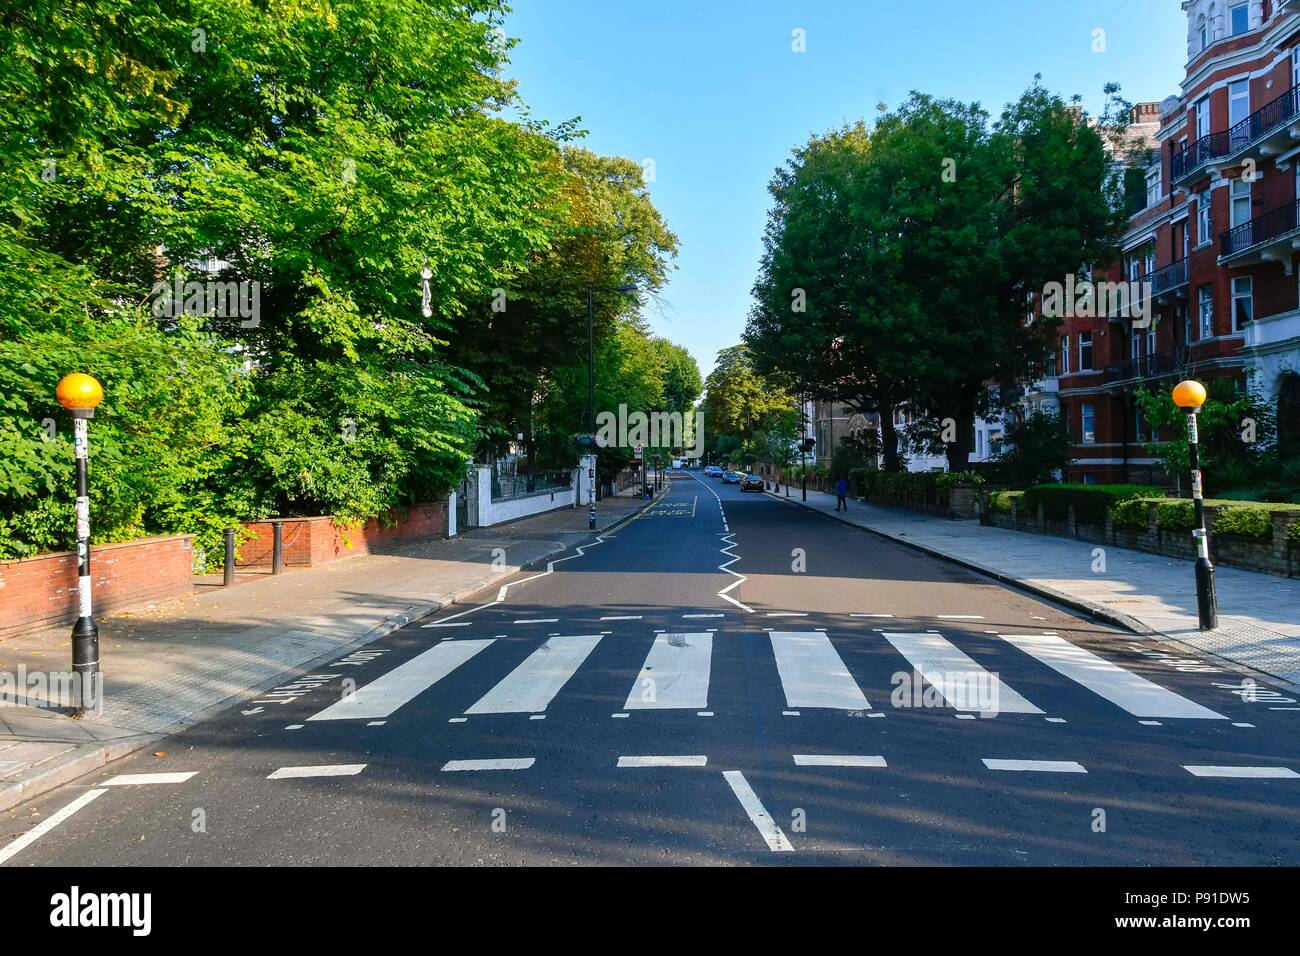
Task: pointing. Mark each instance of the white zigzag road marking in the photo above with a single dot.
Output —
(727, 551)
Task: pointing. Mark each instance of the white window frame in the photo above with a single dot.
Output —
(1085, 348)
(1232, 18)
(1202, 117)
(1239, 193)
(1065, 354)
(1155, 184)
(1204, 320)
(1243, 290)
(1204, 220)
(1087, 423)
(1238, 91)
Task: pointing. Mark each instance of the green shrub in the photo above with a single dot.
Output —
(1253, 519)
(1090, 501)
(1131, 513)
(1000, 501)
(1293, 532)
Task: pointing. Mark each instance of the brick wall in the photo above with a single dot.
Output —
(42, 591)
(309, 542)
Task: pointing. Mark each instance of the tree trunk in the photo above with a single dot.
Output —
(958, 452)
(888, 437)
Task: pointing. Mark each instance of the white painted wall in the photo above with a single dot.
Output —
(483, 512)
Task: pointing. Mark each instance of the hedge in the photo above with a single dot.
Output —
(901, 484)
(1252, 519)
(1090, 501)
(1000, 501)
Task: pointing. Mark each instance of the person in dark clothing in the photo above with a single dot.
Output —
(841, 495)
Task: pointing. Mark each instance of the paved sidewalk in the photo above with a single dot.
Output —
(168, 666)
(1259, 614)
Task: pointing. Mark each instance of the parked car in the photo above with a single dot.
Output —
(731, 478)
(751, 483)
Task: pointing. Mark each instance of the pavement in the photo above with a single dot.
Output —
(170, 665)
(721, 679)
(1259, 614)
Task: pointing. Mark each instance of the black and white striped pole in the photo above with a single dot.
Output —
(1190, 396)
(80, 394)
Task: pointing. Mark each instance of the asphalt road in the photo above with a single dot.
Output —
(653, 701)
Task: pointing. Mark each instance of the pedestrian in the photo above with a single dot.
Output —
(841, 495)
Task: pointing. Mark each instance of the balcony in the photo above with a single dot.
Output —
(1155, 365)
(1169, 280)
(1270, 130)
(1272, 237)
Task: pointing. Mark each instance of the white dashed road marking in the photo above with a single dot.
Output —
(1045, 766)
(141, 779)
(1259, 773)
(691, 761)
(503, 763)
(837, 760)
(45, 826)
(329, 770)
(771, 833)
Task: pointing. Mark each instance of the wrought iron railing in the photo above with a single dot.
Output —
(529, 483)
(1273, 114)
(1170, 277)
(1155, 365)
(1195, 155)
(1260, 229)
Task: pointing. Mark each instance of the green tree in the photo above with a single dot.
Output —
(738, 400)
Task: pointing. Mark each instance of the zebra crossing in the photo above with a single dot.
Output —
(678, 668)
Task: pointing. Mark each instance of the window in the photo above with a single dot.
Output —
(1088, 424)
(1089, 479)
(1238, 110)
(1085, 351)
(1065, 355)
(1203, 117)
(1139, 425)
(1203, 226)
(1149, 259)
(1153, 185)
(1239, 17)
(1151, 338)
(1243, 302)
(1049, 369)
(1203, 31)
(1182, 238)
(1205, 311)
(1240, 208)
(1181, 312)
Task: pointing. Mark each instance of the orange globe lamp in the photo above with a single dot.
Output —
(79, 392)
(1189, 394)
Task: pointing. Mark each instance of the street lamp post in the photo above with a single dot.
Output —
(80, 394)
(588, 441)
(1190, 396)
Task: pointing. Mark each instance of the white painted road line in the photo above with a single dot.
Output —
(871, 615)
(959, 617)
(622, 617)
(702, 615)
(1137, 695)
(693, 761)
(1045, 766)
(538, 620)
(381, 697)
(1258, 773)
(140, 779)
(813, 673)
(964, 684)
(531, 686)
(504, 763)
(837, 760)
(675, 674)
(787, 613)
(328, 770)
(46, 825)
(771, 833)
(455, 624)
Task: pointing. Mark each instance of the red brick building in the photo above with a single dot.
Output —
(1214, 246)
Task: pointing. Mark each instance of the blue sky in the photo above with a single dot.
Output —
(711, 91)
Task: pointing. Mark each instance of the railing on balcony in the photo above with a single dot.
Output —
(1273, 114)
(1195, 155)
(1170, 277)
(1263, 121)
(1155, 365)
(1260, 229)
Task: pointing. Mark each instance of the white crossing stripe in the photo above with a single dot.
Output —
(46, 825)
(963, 683)
(382, 696)
(501, 763)
(139, 779)
(692, 761)
(1047, 766)
(531, 686)
(1137, 695)
(813, 673)
(675, 674)
(837, 760)
(329, 770)
(772, 834)
(1261, 773)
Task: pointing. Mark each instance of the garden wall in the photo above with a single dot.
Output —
(309, 542)
(42, 591)
(1277, 553)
